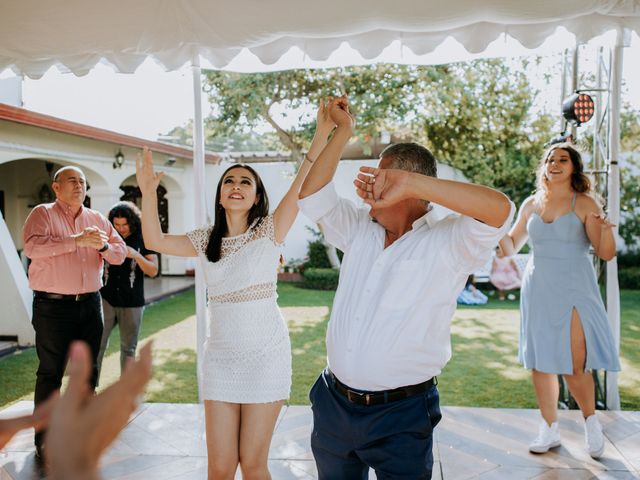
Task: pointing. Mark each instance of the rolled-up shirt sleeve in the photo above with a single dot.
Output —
(473, 241)
(338, 217)
(39, 242)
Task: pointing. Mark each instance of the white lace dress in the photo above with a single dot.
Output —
(247, 356)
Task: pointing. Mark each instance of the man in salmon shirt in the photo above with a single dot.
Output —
(67, 244)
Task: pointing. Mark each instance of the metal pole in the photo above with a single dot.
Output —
(613, 289)
(563, 90)
(200, 212)
(597, 156)
(574, 87)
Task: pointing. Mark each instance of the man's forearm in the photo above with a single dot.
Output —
(477, 201)
(324, 168)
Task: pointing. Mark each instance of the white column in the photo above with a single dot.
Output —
(104, 197)
(613, 289)
(15, 294)
(200, 211)
(175, 265)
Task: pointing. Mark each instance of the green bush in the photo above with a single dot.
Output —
(321, 278)
(629, 259)
(629, 278)
(317, 256)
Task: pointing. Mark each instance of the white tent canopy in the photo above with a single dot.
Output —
(76, 34)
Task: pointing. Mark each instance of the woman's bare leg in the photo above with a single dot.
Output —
(258, 420)
(222, 421)
(580, 382)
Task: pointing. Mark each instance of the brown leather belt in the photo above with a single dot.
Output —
(80, 297)
(380, 397)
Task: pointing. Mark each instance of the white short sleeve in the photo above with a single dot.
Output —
(200, 238)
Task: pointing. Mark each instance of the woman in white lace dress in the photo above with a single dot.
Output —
(247, 358)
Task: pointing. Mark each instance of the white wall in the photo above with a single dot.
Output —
(15, 295)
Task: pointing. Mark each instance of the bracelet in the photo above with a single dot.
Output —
(104, 248)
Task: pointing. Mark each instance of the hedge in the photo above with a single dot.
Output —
(321, 278)
(629, 278)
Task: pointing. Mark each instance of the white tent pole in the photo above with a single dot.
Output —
(613, 289)
(200, 212)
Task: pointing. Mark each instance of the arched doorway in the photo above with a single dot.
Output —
(132, 194)
(26, 182)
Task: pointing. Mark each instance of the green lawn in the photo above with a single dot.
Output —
(482, 372)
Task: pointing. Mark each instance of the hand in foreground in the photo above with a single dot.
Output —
(38, 420)
(132, 252)
(91, 237)
(339, 112)
(148, 179)
(82, 425)
(382, 187)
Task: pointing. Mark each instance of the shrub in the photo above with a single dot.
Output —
(321, 278)
(629, 259)
(629, 278)
(317, 256)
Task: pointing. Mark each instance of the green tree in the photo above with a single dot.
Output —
(630, 178)
(484, 124)
(475, 116)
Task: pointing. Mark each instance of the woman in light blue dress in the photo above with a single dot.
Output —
(564, 327)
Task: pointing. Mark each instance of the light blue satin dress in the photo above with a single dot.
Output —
(558, 277)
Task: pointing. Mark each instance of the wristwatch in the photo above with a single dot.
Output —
(104, 248)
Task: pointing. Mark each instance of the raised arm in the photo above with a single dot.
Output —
(324, 168)
(287, 210)
(154, 238)
(384, 187)
(513, 241)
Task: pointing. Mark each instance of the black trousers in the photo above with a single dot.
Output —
(57, 323)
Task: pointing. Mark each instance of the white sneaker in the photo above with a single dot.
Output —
(593, 436)
(548, 437)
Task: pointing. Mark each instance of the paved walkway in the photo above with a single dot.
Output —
(160, 287)
(166, 441)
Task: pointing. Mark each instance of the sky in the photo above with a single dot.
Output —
(151, 101)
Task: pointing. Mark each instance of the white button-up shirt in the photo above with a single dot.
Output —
(391, 316)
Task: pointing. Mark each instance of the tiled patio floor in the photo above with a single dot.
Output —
(166, 441)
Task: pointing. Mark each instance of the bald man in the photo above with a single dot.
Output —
(67, 244)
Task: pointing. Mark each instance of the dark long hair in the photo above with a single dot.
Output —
(258, 211)
(580, 183)
(129, 211)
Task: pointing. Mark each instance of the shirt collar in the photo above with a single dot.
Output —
(66, 208)
(430, 218)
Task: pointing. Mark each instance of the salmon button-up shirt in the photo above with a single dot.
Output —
(57, 264)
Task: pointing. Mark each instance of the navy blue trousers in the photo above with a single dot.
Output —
(395, 439)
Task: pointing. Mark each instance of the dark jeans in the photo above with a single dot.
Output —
(58, 323)
(395, 439)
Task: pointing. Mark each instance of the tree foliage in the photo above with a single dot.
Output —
(475, 116)
(630, 178)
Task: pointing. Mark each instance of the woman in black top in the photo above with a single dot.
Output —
(123, 291)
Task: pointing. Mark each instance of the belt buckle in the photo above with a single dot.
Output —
(78, 295)
(366, 396)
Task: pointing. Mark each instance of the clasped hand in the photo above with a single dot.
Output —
(91, 237)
